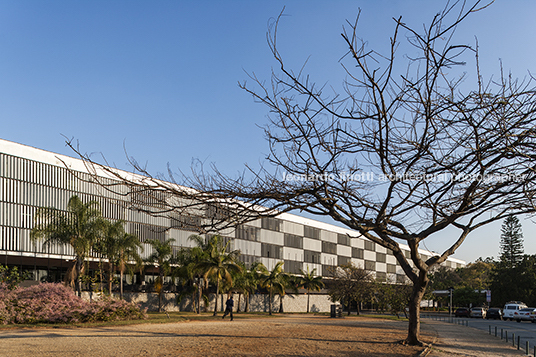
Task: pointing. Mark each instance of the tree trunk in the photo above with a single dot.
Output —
(414, 325)
(110, 279)
(199, 293)
(307, 301)
(79, 262)
(246, 309)
(281, 303)
(161, 291)
(239, 298)
(216, 299)
(194, 301)
(270, 303)
(121, 285)
(101, 287)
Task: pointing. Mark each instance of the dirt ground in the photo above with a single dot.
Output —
(280, 336)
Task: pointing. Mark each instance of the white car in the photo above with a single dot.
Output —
(478, 312)
(510, 308)
(525, 314)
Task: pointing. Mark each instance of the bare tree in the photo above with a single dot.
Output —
(397, 157)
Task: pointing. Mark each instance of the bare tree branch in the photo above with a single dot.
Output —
(397, 157)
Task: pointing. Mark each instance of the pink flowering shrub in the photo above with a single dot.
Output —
(56, 303)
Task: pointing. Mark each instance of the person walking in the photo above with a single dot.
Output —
(229, 307)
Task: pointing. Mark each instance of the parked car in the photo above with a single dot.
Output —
(478, 312)
(495, 313)
(524, 314)
(511, 307)
(533, 316)
(462, 312)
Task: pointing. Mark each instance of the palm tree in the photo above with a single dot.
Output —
(79, 226)
(106, 246)
(254, 275)
(281, 290)
(310, 282)
(244, 284)
(127, 248)
(274, 281)
(189, 272)
(200, 254)
(288, 281)
(161, 256)
(119, 248)
(219, 264)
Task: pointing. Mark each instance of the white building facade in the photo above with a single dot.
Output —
(31, 178)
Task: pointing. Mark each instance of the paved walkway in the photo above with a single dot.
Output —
(458, 340)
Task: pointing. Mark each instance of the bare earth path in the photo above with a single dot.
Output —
(282, 336)
(292, 335)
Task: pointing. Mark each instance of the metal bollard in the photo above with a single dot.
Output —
(527, 348)
(506, 336)
(513, 339)
(489, 329)
(518, 342)
(501, 334)
(495, 331)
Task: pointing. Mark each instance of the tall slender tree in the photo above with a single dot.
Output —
(80, 226)
(511, 242)
(197, 255)
(274, 282)
(161, 256)
(127, 254)
(310, 282)
(241, 284)
(511, 269)
(219, 264)
(106, 247)
(189, 273)
(254, 275)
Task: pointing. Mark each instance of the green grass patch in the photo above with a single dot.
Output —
(153, 318)
(385, 317)
(180, 317)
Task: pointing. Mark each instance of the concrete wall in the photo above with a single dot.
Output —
(258, 302)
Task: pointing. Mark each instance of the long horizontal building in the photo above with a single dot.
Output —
(31, 178)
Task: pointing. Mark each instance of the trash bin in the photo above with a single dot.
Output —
(336, 310)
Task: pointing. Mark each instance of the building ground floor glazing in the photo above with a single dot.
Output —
(31, 178)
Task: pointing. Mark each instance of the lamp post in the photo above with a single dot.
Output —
(451, 289)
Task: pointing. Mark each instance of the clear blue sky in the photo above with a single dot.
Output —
(161, 77)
